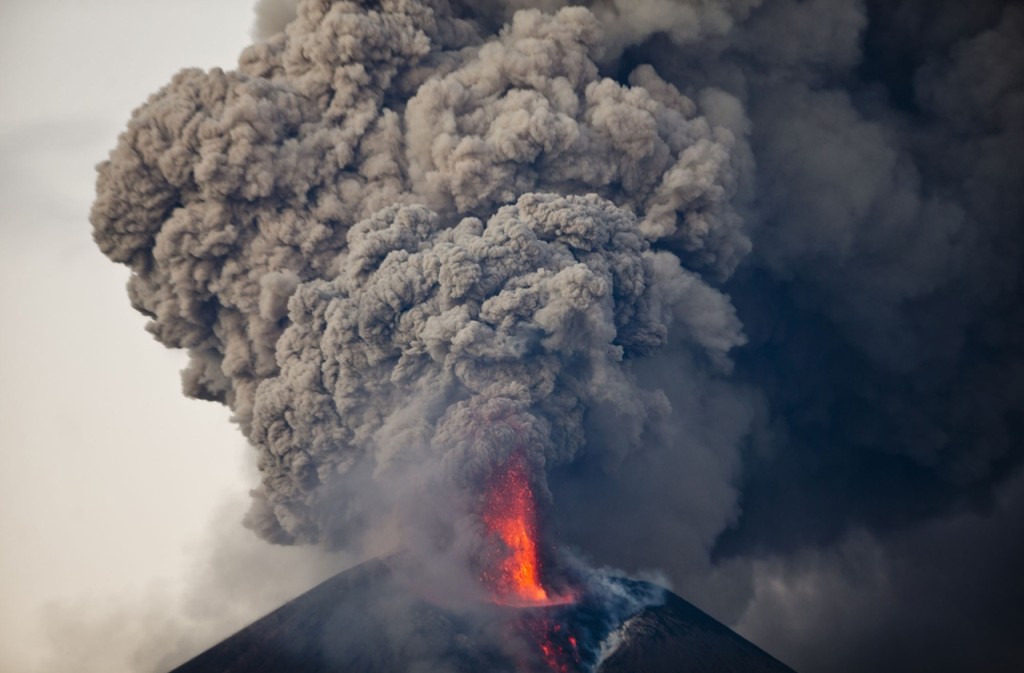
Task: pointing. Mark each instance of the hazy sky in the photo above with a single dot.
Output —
(96, 437)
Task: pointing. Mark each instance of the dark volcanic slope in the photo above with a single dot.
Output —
(678, 637)
(360, 621)
(290, 638)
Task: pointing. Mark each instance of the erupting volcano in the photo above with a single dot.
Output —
(669, 277)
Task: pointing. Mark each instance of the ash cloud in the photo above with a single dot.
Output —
(510, 283)
(742, 277)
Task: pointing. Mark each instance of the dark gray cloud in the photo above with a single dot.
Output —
(940, 596)
(741, 277)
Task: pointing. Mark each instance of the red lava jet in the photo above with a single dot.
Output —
(514, 573)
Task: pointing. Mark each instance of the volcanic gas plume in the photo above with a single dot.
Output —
(390, 242)
(470, 277)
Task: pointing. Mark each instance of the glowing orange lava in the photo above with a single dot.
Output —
(513, 571)
(510, 513)
(559, 650)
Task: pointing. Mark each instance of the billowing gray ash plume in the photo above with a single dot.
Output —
(387, 236)
(739, 279)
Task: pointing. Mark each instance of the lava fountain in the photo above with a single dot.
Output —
(514, 572)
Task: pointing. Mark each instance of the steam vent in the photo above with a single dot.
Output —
(359, 622)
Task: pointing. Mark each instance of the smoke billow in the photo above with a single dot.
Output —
(739, 280)
(387, 234)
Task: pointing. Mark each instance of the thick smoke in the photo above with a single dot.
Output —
(739, 278)
(361, 239)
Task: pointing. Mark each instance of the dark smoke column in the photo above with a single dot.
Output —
(400, 247)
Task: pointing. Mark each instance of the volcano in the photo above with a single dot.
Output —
(364, 620)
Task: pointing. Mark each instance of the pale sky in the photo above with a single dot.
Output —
(112, 483)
